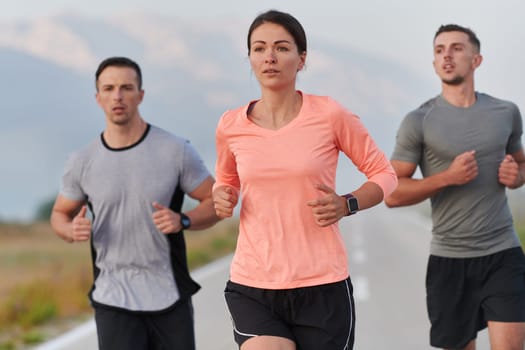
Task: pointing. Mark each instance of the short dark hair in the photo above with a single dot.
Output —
(287, 21)
(457, 28)
(119, 62)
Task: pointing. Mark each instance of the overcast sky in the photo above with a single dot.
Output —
(401, 30)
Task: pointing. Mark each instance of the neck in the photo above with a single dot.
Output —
(462, 95)
(278, 108)
(120, 136)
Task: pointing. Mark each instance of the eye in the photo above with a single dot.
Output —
(282, 48)
(258, 49)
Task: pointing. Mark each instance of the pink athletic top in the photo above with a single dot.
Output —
(279, 245)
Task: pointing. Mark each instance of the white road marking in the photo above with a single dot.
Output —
(66, 339)
(361, 291)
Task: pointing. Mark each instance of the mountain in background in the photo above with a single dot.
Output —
(193, 71)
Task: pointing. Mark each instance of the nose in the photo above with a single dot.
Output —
(448, 53)
(117, 95)
(270, 58)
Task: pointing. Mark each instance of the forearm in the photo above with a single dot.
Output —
(62, 224)
(203, 215)
(411, 191)
(368, 195)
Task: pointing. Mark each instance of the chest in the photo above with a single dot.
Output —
(448, 134)
(302, 151)
(133, 175)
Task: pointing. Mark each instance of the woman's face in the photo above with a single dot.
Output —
(274, 56)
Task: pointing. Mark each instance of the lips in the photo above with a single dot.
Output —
(270, 71)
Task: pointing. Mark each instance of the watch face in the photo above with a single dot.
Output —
(352, 205)
(351, 202)
(185, 221)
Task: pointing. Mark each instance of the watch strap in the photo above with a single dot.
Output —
(185, 221)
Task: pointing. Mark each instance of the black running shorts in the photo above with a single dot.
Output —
(317, 317)
(464, 293)
(173, 329)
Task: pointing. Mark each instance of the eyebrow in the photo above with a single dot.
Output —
(276, 42)
(112, 84)
(452, 44)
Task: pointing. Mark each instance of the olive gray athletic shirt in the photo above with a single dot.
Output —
(473, 219)
(136, 267)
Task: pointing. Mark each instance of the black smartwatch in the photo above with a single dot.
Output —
(351, 202)
(185, 221)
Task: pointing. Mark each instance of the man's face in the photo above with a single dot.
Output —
(118, 94)
(455, 57)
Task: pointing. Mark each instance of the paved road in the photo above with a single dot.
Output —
(387, 249)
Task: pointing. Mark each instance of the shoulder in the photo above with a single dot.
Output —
(158, 134)
(329, 109)
(422, 110)
(414, 120)
(87, 152)
(320, 103)
(233, 117)
(497, 102)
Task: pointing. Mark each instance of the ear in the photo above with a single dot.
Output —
(302, 61)
(476, 61)
(97, 97)
(141, 95)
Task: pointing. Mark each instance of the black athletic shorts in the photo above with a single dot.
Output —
(317, 317)
(169, 330)
(464, 293)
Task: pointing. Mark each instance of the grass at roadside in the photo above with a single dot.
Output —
(521, 233)
(44, 284)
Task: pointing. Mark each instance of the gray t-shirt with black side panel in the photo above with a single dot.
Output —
(132, 262)
(473, 219)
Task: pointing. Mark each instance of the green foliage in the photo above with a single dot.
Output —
(29, 305)
(197, 258)
(7, 345)
(33, 338)
(45, 281)
(521, 234)
(224, 245)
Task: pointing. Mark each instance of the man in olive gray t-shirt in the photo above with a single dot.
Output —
(468, 147)
(473, 219)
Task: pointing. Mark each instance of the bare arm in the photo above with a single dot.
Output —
(331, 207)
(368, 195)
(68, 220)
(202, 216)
(410, 191)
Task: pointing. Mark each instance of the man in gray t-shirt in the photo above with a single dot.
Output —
(468, 147)
(133, 179)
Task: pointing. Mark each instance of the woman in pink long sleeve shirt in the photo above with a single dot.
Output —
(289, 284)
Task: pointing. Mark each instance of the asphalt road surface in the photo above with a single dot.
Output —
(387, 249)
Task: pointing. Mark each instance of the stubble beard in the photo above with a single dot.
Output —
(120, 120)
(457, 80)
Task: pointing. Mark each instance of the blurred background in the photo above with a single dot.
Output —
(374, 57)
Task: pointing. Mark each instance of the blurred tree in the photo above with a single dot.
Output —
(43, 211)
